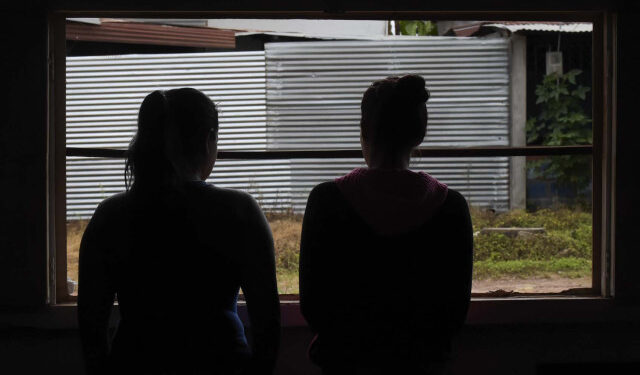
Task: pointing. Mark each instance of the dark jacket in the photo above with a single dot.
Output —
(376, 299)
(175, 261)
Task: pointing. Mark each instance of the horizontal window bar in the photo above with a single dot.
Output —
(333, 154)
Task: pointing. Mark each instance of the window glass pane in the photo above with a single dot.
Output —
(297, 85)
(89, 181)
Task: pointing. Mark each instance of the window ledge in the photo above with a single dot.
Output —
(522, 310)
(482, 311)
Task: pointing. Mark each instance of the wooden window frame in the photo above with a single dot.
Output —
(603, 127)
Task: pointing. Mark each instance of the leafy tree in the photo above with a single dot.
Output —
(562, 121)
(416, 28)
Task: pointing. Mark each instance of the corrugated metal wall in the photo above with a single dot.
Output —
(103, 97)
(104, 94)
(314, 91)
(305, 96)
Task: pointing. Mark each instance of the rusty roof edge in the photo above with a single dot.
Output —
(120, 31)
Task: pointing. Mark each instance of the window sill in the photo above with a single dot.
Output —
(482, 311)
(521, 311)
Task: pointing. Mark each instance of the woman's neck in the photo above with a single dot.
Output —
(382, 162)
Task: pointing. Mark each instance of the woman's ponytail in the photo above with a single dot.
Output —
(173, 128)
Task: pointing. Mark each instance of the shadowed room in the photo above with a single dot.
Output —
(529, 124)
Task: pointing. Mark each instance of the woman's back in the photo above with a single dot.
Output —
(378, 298)
(176, 260)
(175, 251)
(386, 253)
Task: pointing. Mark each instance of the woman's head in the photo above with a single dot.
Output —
(176, 139)
(394, 117)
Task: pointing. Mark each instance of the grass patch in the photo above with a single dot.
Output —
(286, 231)
(287, 281)
(75, 229)
(563, 250)
(526, 268)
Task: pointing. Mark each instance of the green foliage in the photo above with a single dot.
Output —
(570, 267)
(564, 249)
(552, 219)
(552, 245)
(414, 28)
(562, 121)
(568, 235)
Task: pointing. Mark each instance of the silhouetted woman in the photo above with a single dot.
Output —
(386, 253)
(175, 251)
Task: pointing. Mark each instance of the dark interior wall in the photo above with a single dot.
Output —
(23, 151)
(627, 136)
(484, 349)
(610, 349)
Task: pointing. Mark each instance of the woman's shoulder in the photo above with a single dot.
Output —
(323, 192)
(234, 195)
(454, 197)
(325, 187)
(229, 200)
(454, 203)
(230, 195)
(111, 205)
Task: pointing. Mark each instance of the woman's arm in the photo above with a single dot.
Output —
(311, 246)
(461, 252)
(456, 269)
(95, 294)
(441, 299)
(258, 282)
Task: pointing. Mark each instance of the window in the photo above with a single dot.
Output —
(289, 120)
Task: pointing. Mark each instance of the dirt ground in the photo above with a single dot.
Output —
(553, 284)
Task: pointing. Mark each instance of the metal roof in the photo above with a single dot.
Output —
(565, 27)
(153, 34)
(474, 28)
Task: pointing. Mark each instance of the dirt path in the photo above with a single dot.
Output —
(554, 284)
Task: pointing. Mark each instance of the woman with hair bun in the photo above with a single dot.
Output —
(175, 251)
(386, 252)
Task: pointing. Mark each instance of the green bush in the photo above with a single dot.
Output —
(549, 218)
(564, 249)
(561, 120)
(567, 238)
(523, 268)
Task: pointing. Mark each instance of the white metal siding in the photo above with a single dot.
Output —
(298, 96)
(104, 94)
(314, 91)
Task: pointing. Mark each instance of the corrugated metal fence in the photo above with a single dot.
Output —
(299, 96)
(314, 91)
(103, 97)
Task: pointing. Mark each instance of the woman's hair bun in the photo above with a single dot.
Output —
(412, 88)
(392, 114)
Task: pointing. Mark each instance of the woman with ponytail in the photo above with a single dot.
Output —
(175, 250)
(386, 252)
